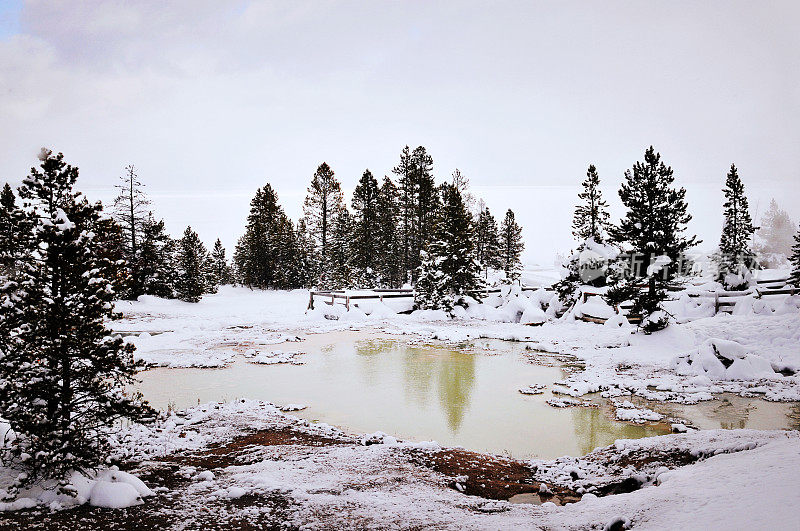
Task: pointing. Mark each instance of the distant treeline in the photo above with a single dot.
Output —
(395, 232)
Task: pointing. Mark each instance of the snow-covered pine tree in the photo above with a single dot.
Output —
(774, 236)
(157, 259)
(591, 216)
(130, 212)
(653, 228)
(303, 268)
(426, 204)
(388, 241)
(735, 254)
(262, 253)
(340, 254)
(407, 200)
(324, 203)
(431, 288)
(364, 244)
(511, 246)
(487, 240)
(13, 232)
(222, 271)
(192, 281)
(63, 378)
(449, 273)
(795, 260)
(285, 250)
(590, 226)
(111, 245)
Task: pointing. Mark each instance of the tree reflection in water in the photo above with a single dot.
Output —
(593, 429)
(456, 379)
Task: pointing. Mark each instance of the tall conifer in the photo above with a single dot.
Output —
(511, 246)
(192, 279)
(653, 227)
(795, 260)
(737, 230)
(449, 272)
(63, 379)
(323, 205)
(365, 240)
(157, 259)
(130, 212)
(388, 240)
(222, 270)
(591, 216)
(487, 241)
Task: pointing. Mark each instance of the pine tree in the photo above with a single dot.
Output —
(13, 233)
(111, 245)
(222, 270)
(487, 241)
(285, 251)
(340, 273)
(407, 197)
(365, 230)
(263, 253)
(130, 211)
(388, 241)
(419, 202)
(427, 203)
(324, 203)
(653, 227)
(449, 273)
(431, 288)
(795, 260)
(63, 379)
(192, 281)
(774, 237)
(591, 217)
(737, 230)
(511, 246)
(590, 226)
(303, 268)
(157, 260)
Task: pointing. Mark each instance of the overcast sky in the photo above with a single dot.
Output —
(212, 99)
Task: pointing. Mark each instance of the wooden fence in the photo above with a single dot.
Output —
(331, 297)
(723, 300)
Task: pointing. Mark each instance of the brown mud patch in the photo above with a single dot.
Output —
(488, 476)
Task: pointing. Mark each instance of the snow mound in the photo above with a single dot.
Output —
(720, 359)
(114, 495)
(628, 412)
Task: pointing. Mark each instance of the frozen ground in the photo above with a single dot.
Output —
(247, 464)
(319, 477)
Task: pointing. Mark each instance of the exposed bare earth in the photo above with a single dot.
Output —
(181, 506)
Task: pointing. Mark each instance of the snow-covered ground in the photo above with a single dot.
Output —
(323, 477)
(247, 461)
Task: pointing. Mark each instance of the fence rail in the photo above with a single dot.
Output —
(330, 297)
(723, 300)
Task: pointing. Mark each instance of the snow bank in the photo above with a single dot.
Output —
(719, 359)
(110, 488)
